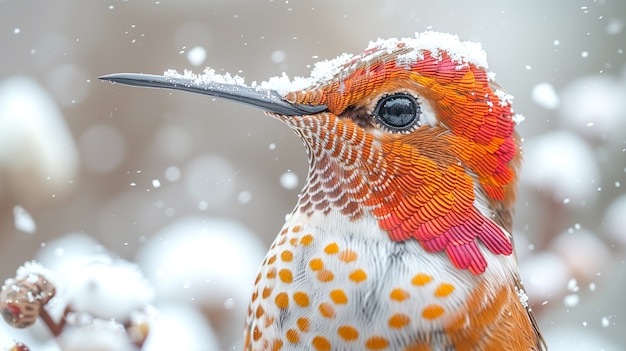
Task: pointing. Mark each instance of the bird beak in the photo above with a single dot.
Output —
(268, 100)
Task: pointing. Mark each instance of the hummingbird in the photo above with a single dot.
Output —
(401, 238)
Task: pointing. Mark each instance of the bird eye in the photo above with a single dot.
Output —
(398, 112)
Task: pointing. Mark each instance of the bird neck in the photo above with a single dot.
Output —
(416, 187)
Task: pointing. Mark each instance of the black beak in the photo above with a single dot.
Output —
(268, 100)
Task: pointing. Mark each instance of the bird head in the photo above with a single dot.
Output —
(413, 132)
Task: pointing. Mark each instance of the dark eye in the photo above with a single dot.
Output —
(398, 112)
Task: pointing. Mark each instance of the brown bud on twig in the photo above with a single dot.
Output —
(22, 299)
(138, 332)
(19, 347)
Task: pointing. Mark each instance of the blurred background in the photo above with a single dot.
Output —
(194, 190)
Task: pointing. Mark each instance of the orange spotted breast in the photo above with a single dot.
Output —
(320, 289)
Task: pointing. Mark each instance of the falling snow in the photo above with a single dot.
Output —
(571, 300)
(278, 56)
(172, 173)
(289, 180)
(64, 159)
(572, 285)
(23, 220)
(244, 197)
(545, 96)
(196, 55)
(615, 26)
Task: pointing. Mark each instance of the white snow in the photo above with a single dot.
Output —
(289, 180)
(208, 77)
(413, 49)
(518, 118)
(521, 294)
(203, 205)
(614, 26)
(109, 289)
(244, 197)
(196, 55)
(93, 283)
(572, 285)
(32, 268)
(571, 300)
(505, 98)
(278, 56)
(544, 95)
(462, 52)
(23, 220)
(172, 173)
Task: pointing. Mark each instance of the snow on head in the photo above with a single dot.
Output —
(408, 51)
(413, 49)
(462, 52)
